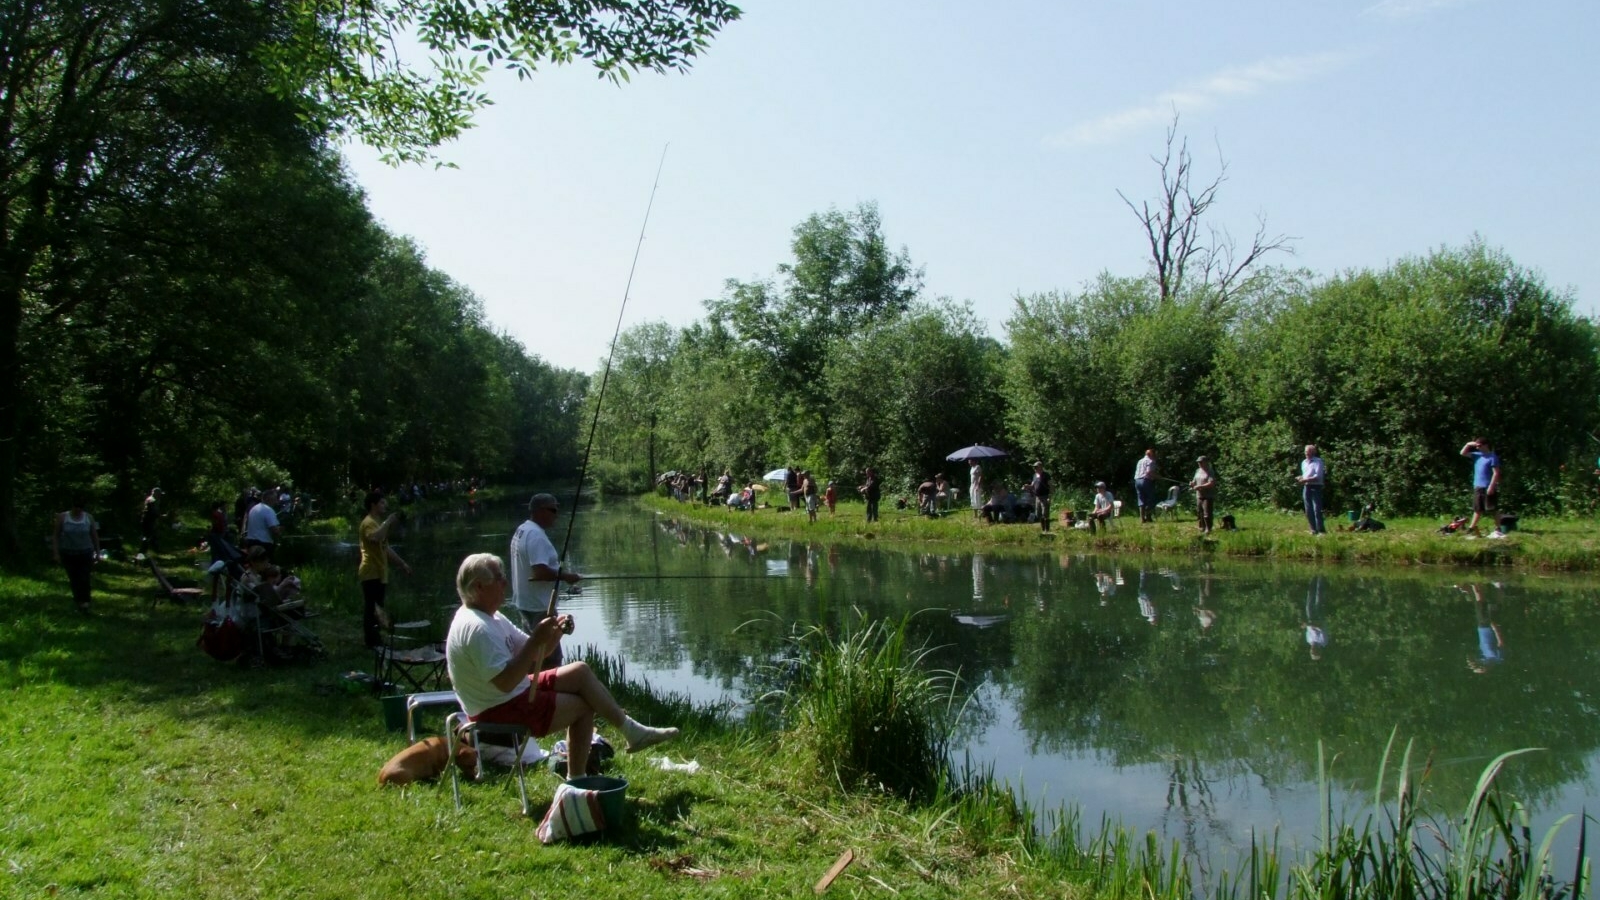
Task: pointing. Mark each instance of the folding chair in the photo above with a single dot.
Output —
(458, 727)
(265, 615)
(425, 700)
(1170, 505)
(286, 620)
(406, 653)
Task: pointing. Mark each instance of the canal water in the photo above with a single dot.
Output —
(1180, 696)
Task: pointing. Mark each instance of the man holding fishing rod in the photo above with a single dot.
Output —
(493, 666)
(534, 561)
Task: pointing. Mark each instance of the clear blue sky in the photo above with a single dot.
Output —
(994, 147)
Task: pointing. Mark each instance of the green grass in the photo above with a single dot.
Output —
(134, 766)
(1553, 543)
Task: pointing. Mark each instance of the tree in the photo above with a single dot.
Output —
(844, 278)
(341, 57)
(1179, 252)
(908, 390)
(109, 109)
(1390, 372)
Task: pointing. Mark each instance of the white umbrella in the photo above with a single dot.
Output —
(776, 475)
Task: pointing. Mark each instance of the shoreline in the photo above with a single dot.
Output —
(1540, 544)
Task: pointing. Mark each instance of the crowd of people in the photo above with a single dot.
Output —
(1030, 502)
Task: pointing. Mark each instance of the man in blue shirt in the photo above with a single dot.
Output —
(1485, 478)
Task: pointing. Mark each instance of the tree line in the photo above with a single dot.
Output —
(839, 361)
(192, 292)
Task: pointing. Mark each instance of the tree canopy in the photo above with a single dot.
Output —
(182, 260)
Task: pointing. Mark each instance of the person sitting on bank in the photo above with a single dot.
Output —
(1105, 506)
(998, 509)
(493, 666)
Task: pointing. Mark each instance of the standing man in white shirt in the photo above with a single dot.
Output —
(1313, 479)
(261, 524)
(534, 561)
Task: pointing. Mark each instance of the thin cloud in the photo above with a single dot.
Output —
(1231, 83)
(1406, 9)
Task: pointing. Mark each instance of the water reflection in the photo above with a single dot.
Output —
(1184, 697)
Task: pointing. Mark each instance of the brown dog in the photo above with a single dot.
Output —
(425, 760)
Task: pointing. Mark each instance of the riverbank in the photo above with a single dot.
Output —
(136, 766)
(1564, 544)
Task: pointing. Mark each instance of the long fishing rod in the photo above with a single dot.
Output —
(605, 376)
(648, 577)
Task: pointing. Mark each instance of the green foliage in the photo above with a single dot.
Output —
(867, 713)
(906, 391)
(183, 261)
(1391, 372)
(1392, 853)
(342, 61)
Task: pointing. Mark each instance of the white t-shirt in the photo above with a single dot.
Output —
(259, 522)
(478, 648)
(530, 546)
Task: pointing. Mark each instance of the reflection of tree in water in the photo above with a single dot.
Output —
(1191, 802)
(1243, 698)
(1238, 703)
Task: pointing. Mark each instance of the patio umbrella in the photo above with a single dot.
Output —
(976, 451)
(776, 475)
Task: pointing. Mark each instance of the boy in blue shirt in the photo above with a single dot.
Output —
(1485, 478)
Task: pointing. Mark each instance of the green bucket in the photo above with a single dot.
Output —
(613, 795)
(394, 712)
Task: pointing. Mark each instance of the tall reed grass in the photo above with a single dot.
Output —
(864, 710)
(1395, 851)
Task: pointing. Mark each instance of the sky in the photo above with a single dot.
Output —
(995, 146)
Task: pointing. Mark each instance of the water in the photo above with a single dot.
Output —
(1182, 697)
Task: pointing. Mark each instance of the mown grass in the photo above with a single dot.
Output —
(134, 766)
(1541, 543)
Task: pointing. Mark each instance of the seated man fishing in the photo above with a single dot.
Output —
(494, 666)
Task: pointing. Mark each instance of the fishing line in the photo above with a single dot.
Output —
(605, 376)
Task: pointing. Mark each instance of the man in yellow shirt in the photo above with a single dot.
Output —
(374, 571)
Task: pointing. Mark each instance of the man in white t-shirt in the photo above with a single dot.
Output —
(493, 667)
(261, 525)
(534, 560)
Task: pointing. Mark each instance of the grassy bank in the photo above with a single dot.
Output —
(135, 766)
(1541, 543)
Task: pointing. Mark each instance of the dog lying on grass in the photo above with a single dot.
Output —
(426, 760)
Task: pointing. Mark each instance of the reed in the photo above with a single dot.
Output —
(866, 713)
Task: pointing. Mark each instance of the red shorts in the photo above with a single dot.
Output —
(534, 707)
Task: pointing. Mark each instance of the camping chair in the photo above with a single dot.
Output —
(1169, 505)
(408, 654)
(457, 728)
(285, 621)
(168, 591)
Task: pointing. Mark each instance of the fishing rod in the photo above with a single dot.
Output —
(605, 376)
(648, 577)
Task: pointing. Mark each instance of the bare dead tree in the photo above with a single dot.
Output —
(1172, 224)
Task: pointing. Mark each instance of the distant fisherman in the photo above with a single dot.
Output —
(534, 559)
